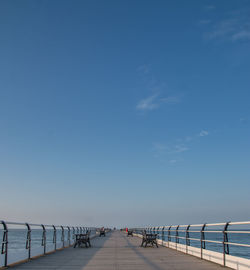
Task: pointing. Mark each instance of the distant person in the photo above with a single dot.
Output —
(102, 232)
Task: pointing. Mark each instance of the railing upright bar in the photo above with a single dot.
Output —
(73, 234)
(28, 240)
(169, 235)
(162, 234)
(54, 236)
(177, 235)
(187, 238)
(68, 234)
(225, 243)
(5, 243)
(62, 238)
(203, 244)
(44, 239)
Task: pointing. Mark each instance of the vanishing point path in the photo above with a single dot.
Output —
(116, 251)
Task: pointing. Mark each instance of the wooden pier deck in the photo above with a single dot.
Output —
(116, 251)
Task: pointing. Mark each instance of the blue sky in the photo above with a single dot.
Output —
(124, 112)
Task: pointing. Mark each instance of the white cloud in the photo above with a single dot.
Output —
(173, 149)
(149, 103)
(170, 100)
(172, 161)
(244, 34)
(236, 27)
(155, 101)
(203, 133)
(156, 88)
(180, 148)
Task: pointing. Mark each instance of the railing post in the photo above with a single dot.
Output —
(187, 238)
(62, 238)
(158, 232)
(177, 235)
(203, 244)
(28, 240)
(68, 235)
(225, 243)
(44, 239)
(169, 234)
(5, 243)
(162, 234)
(73, 228)
(54, 236)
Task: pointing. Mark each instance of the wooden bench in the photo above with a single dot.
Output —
(130, 232)
(149, 238)
(102, 232)
(82, 239)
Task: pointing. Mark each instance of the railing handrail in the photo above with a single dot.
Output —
(173, 236)
(207, 224)
(28, 227)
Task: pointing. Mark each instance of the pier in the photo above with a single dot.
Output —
(117, 251)
(195, 246)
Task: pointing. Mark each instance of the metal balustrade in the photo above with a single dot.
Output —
(62, 237)
(197, 234)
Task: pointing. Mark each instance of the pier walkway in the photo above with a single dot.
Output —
(116, 251)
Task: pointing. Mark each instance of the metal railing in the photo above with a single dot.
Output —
(62, 237)
(198, 233)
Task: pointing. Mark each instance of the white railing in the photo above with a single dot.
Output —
(225, 243)
(23, 241)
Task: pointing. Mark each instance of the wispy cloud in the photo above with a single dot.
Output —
(158, 92)
(161, 149)
(172, 150)
(155, 101)
(244, 34)
(234, 27)
(203, 133)
(149, 103)
(180, 148)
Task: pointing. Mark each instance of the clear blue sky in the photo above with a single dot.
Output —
(124, 112)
